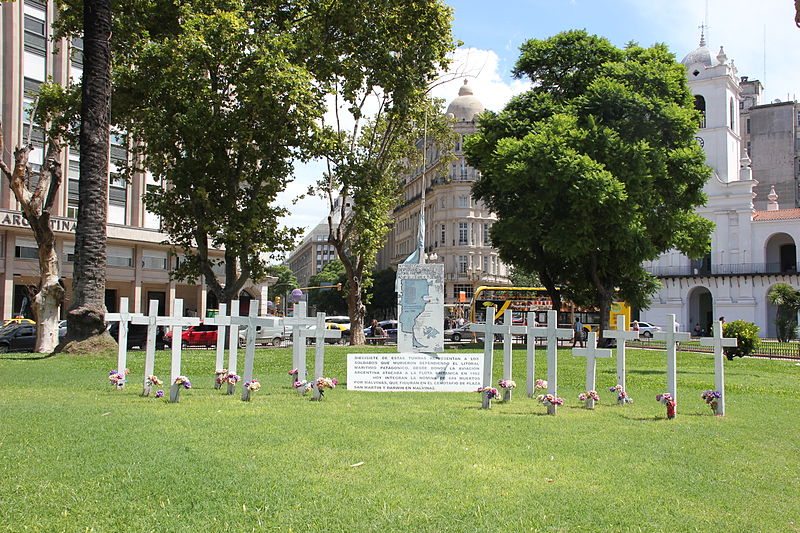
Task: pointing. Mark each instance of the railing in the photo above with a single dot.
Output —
(732, 269)
(766, 348)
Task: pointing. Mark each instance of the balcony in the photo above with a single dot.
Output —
(735, 269)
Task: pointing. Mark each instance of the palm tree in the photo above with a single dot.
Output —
(787, 299)
(85, 318)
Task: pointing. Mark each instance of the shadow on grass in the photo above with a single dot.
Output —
(26, 357)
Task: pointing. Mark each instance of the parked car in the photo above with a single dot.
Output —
(273, 332)
(646, 329)
(137, 336)
(20, 337)
(199, 335)
(461, 332)
(343, 328)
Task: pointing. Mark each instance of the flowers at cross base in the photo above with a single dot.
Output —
(117, 378)
(711, 397)
(540, 384)
(589, 395)
(491, 392)
(304, 385)
(183, 380)
(231, 379)
(327, 383)
(253, 385)
(507, 384)
(159, 393)
(221, 373)
(664, 398)
(153, 380)
(294, 372)
(549, 399)
(622, 396)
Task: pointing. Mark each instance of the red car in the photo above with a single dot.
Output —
(200, 335)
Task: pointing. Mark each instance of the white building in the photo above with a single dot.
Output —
(751, 250)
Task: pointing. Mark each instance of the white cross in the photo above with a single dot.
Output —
(489, 328)
(152, 321)
(123, 317)
(718, 342)
(508, 340)
(233, 344)
(222, 322)
(591, 352)
(177, 321)
(672, 338)
(321, 333)
(251, 322)
(553, 334)
(621, 335)
(299, 321)
(530, 330)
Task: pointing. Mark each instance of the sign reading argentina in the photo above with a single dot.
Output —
(420, 307)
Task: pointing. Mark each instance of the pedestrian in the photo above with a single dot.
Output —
(578, 338)
(698, 331)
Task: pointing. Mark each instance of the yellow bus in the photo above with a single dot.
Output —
(522, 300)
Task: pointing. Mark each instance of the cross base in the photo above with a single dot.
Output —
(175, 393)
(506, 395)
(231, 389)
(245, 394)
(317, 396)
(487, 402)
(551, 410)
(589, 403)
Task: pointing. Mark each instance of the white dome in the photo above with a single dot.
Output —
(702, 54)
(465, 106)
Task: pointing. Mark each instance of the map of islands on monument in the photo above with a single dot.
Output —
(421, 308)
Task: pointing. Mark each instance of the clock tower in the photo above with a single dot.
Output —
(715, 86)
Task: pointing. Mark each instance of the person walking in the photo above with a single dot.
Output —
(578, 338)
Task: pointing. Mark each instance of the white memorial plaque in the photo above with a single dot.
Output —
(420, 326)
(419, 372)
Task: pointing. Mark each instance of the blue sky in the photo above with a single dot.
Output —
(760, 37)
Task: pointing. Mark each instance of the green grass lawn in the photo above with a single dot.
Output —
(76, 455)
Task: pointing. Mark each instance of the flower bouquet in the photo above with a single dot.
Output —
(549, 399)
(622, 396)
(302, 386)
(321, 384)
(540, 384)
(253, 385)
(183, 381)
(175, 389)
(589, 395)
(507, 384)
(153, 380)
(667, 400)
(295, 375)
(117, 379)
(712, 398)
(220, 377)
(491, 392)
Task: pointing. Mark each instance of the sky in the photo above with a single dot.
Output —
(760, 37)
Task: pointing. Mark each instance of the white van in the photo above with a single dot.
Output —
(272, 332)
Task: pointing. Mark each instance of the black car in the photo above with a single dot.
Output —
(20, 337)
(137, 336)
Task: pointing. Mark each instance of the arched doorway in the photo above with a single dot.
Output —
(772, 315)
(780, 254)
(244, 303)
(701, 309)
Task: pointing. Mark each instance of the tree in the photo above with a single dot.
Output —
(382, 302)
(595, 169)
(286, 282)
(86, 316)
(329, 301)
(787, 299)
(36, 200)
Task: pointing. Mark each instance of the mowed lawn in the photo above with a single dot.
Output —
(77, 455)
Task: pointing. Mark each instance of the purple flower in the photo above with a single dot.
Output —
(159, 393)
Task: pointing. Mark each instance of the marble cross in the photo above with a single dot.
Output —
(123, 317)
(530, 330)
(621, 335)
(591, 353)
(508, 345)
(152, 321)
(222, 322)
(553, 334)
(719, 342)
(299, 322)
(251, 322)
(177, 322)
(672, 338)
(233, 345)
(489, 329)
(320, 334)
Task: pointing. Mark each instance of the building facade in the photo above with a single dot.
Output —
(751, 249)
(456, 226)
(138, 263)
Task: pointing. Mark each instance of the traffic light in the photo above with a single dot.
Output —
(277, 302)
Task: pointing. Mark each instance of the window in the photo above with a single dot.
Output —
(77, 52)
(69, 252)
(35, 31)
(458, 288)
(444, 235)
(73, 175)
(486, 263)
(462, 264)
(732, 114)
(462, 233)
(486, 238)
(700, 105)
(463, 201)
(747, 125)
(151, 220)
(120, 256)
(154, 259)
(25, 248)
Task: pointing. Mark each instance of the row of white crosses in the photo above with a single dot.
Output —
(304, 327)
(591, 352)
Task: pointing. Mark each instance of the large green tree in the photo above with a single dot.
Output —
(330, 301)
(595, 169)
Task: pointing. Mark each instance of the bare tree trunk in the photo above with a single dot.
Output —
(357, 311)
(86, 317)
(36, 205)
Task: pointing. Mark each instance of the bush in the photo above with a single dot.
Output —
(786, 327)
(746, 332)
